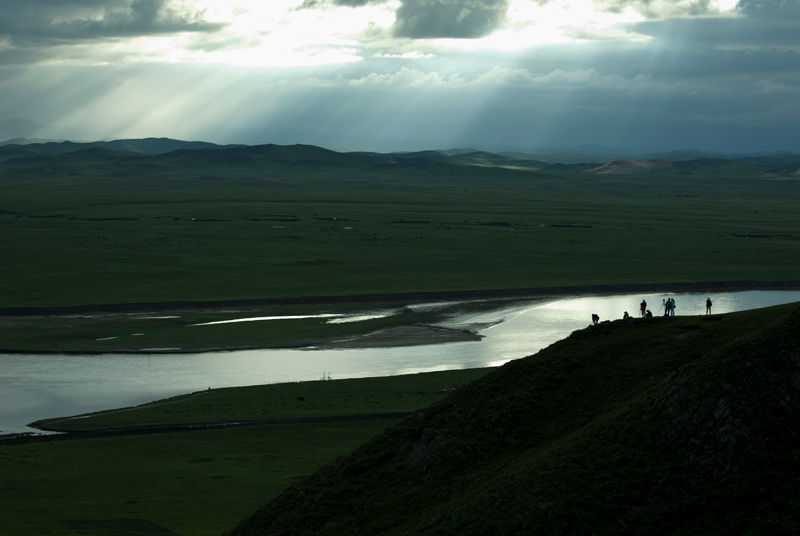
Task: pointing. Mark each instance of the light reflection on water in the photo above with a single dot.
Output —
(39, 386)
(261, 318)
(335, 318)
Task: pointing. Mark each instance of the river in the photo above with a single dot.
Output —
(37, 386)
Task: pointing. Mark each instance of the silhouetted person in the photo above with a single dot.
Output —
(595, 319)
(708, 306)
(672, 307)
(667, 306)
(642, 308)
(625, 315)
(648, 314)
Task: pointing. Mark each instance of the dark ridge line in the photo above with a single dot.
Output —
(536, 292)
(32, 437)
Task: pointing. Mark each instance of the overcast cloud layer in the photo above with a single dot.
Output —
(406, 74)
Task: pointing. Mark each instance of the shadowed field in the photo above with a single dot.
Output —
(198, 482)
(185, 226)
(104, 228)
(297, 227)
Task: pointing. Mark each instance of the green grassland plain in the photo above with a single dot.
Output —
(148, 235)
(188, 483)
(92, 233)
(95, 228)
(199, 482)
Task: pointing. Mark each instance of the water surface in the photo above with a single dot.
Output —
(40, 386)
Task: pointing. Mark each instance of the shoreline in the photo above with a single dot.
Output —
(49, 436)
(516, 293)
(400, 336)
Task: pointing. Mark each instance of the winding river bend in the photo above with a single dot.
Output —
(37, 386)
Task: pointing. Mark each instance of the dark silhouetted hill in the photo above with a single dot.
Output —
(170, 155)
(133, 146)
(158, 145)
(648, 426)
(249, 156)
(154, 156)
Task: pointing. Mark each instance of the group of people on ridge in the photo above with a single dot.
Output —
(668, 304)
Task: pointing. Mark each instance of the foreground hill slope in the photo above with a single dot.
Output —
(658, 426)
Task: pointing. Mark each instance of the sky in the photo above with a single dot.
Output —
(716, 75)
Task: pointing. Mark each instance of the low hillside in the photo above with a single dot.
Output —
(788, 171)
(631, 166)
(647, 426)
(701, 166)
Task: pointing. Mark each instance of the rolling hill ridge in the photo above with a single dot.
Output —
(647, 426)
(176, 154)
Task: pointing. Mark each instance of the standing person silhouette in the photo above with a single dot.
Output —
(708, 306)
(672, 307)
(642, 308)
(667, 306)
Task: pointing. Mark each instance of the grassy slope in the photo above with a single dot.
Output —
(662, 426)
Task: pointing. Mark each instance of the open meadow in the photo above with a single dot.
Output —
(399, 268)
(150, 231)
(196, 481)
(97, 240)
(294, 230)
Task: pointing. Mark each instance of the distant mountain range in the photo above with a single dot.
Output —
(20, 154)
(139, 146)
(26, 132)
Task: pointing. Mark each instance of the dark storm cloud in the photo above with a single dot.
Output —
(727, 82)
(462, 19)
(771, 9)
(433, 19)
(659, 9)
(40, 22)
(775, 27)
